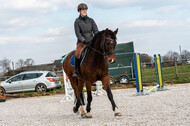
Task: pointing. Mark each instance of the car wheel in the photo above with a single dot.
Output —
(112, 81)
(59, 87)
(2, 91)
(41, 88)
(123, 80)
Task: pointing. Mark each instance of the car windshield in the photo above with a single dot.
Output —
(51, 74)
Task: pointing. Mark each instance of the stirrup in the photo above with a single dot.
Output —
(75, 74)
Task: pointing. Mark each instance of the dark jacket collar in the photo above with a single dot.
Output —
(83, 18)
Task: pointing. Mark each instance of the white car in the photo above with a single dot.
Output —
(30, 81)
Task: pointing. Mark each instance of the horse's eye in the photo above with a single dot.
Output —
(108, 43)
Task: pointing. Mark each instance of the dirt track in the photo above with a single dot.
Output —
(163, 108)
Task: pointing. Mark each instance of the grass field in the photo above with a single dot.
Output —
(149, 77)
(169, 74)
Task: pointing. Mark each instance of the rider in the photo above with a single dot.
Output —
(85, 29)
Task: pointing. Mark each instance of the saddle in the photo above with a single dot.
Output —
(82, 56)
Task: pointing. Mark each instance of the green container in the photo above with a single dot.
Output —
(123, 69)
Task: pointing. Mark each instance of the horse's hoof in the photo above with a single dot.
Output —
(83, 115)
(88, 115)
(118, 114)
(75, 110)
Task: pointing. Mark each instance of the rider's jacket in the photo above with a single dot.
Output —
(85, 29)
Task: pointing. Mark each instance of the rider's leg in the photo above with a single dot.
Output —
(76, 67)
(77, 57)
(80, 47)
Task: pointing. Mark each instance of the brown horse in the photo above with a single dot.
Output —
(94, 67)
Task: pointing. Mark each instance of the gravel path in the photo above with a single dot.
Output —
(161, 108)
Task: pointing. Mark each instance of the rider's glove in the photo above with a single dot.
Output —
(84, 42)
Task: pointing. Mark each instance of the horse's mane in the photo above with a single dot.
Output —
(99, 36)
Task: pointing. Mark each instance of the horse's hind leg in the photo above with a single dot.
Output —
(80, 88)
(106, 82)
(77, 90)
(75, 109)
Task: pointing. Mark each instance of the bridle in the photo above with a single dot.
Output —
(104, 49)
(105, 53)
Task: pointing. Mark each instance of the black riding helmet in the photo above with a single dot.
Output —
(82, 6)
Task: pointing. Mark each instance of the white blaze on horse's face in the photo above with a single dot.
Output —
(112, 61)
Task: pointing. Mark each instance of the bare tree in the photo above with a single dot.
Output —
(29, 62)
(171, 55)
(165, 58)
(145, 58)
(5, 65)
(185, 55)
(20, 63)
(146, 61)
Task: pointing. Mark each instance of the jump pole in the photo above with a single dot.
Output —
(138, 74)
(1, 99)
(69, 92)
(159, 75)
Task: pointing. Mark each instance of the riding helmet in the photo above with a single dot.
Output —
(82, 6)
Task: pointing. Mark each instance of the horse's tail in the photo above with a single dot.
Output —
(63, 58)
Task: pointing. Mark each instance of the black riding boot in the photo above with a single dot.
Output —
(77, 65)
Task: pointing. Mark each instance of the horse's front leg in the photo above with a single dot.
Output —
(89, 99)
(106, 82)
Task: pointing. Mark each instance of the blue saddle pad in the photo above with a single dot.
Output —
(72, 62)
(83, 54)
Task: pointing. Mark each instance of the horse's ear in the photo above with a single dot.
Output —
(106, 32)
(115, 32)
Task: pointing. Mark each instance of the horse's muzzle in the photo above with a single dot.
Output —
(111, 58)
(111, 61)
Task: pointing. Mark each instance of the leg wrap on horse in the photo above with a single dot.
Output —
(78, 103)
(110, 96)
(89, 99)
(76, 108)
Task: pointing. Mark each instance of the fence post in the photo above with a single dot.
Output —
(176, 72)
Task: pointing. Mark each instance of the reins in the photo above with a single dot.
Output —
(96, 50)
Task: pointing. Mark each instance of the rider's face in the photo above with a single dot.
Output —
(83, 12)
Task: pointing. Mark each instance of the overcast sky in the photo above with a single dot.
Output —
(44, 29)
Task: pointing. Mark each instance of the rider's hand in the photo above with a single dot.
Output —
(84, 42)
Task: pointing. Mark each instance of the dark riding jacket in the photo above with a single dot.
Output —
(85, 29)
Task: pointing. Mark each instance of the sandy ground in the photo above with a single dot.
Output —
(161, 108)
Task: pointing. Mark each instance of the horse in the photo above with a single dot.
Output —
(101, 50)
